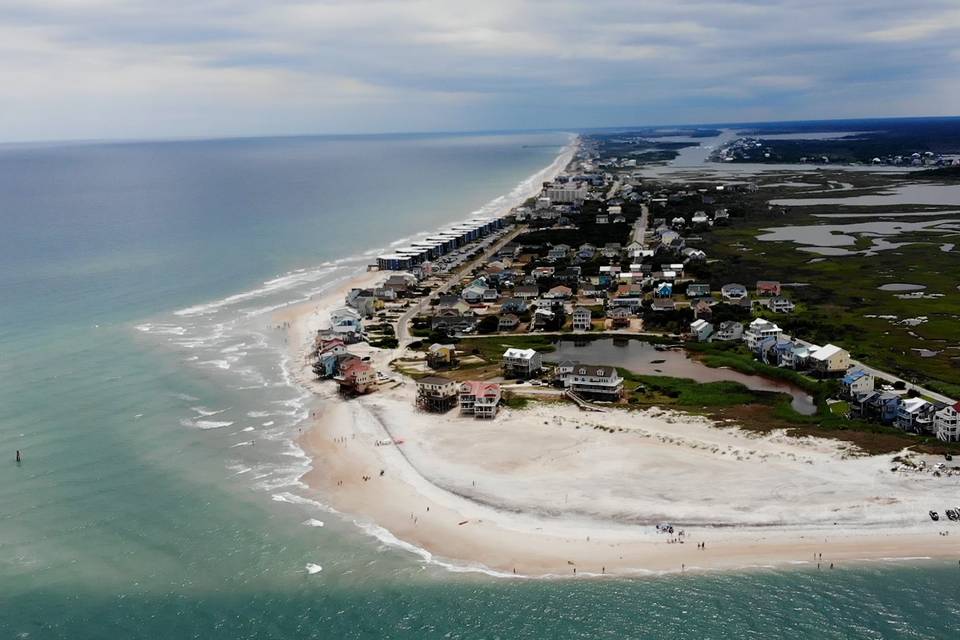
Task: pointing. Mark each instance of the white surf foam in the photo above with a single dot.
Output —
(203, 411)
(205, 424)
(275, 285)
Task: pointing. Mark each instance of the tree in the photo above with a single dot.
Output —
(489, 324)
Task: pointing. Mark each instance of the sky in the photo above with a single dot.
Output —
(88, 69)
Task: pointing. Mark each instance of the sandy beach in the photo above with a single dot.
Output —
(550, 489)
(554, 491)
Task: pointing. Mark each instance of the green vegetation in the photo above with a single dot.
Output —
(491, 349)
(683, 392)
(840, 300)
(514, 401)
(940, 173)
(735, 356)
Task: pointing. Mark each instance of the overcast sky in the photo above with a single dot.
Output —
(165, 68)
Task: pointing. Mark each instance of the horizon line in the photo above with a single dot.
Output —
(572, 130)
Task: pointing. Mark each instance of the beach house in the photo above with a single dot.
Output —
(581, 319)
(480, 399)
(345, 321)
(559, 292)
(946, 423)
(364, 301)
(441, 356)
(437, 394)
(758, 331)
(879, 406)
(521, 363)
(329, 353)
(563, 370)
(733, 292)
(663, 290)
(915, 415)
(355, 377)
(696, 290)
(829, 359)
(729, 331)
(768, 288)
(596, 382)
(507, 322)
(779, 304)
(856, 382)
(701, 330)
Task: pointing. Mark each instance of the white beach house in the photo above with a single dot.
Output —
(701, 329)
(521, 363)
(596, 382)
(758, 331)
(946, 423)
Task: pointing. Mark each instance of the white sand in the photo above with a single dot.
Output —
(532, 493)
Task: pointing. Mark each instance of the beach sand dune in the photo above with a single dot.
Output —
(531, 492)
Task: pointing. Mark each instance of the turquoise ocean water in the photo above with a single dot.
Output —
(158, 497)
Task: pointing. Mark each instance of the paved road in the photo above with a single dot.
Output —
(889, 376)
(403, 322)
(613, 189)
(640, 226)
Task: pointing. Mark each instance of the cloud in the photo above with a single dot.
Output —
(105, 68)
(917, 30)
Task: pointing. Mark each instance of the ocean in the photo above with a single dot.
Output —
(158, 496)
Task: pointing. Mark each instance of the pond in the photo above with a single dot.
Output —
(644, 358)
(917, 193)
(829, 239)
(901, 286)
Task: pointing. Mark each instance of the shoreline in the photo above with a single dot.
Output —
(463, 495)
(421, 502)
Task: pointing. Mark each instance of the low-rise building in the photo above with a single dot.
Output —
(882, 407)
(696, 290)
(663, 290)
(526, 292)
(915, 415)
(507, 322)
(480, 399)
(734, 292)
(355, 377)
(856, 382)
(758, 331)
(619, 317)
(521, 363)
(513, 305)
(563, 370)
(779, 304)
(345, 320)
(442, 356)
(581, 319)
(559, 292)
(829, 359)
(596, 382)
(768, 288)
(701, 330)
(729, 331)
(437, 394)
(946, 423)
